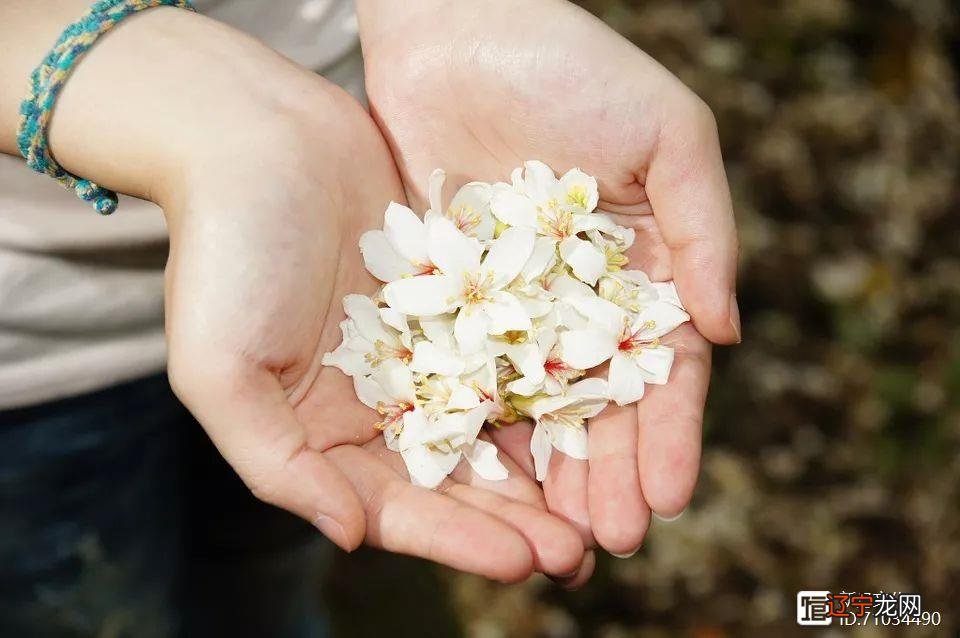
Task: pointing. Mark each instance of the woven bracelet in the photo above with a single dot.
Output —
(48, 79)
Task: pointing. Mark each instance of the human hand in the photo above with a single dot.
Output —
(479, 87)
(267, 176)
(262, 254)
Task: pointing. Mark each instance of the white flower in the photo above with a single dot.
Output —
(558, 210)
(466, 283)
(391, 391)
(371, 336)
(432, 447)
(560, 421)
(400, 249)
(443, 394)
(469, 210)
(495, 307)
(634, 349)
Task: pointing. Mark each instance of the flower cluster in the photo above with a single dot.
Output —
(493, 310)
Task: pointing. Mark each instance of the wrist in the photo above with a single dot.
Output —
(161, 93)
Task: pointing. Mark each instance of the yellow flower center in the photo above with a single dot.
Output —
(392, 414)
(464, 218)
(555, 221)
(476, 288)
(383, 351)
(633, 343)
(577, 195)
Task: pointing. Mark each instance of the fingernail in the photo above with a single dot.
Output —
(570, 575)
(626, 555)
(331, 529)
(735, 316)
(668, 519)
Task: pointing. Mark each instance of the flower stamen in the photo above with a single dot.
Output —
(392, 414)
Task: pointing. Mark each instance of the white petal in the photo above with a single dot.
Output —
(658, 319)
(542, 259)
(470, 210)
(462, 398)
(585, 349)
(625, 380)
(586, 260)
(482, 457)
(452, 251)
(576, 186)
(525, 386)
(534, 306)
(655, 364)
(391, 438)
(416, 428)
(571, 440)
(526, 358)
(435, 190)
(395, 319)
(539, 181)
(419, 429)
(422, 296)
(508, 253)
(439, 329)
(370, 392)
(541, 448)
(505, 313)
(366, 317)
(406, 233)
(589, 389)
(381, 259)
(514, 209)
(474, 419)
(470, 328)
(601, 313)
(350, 362)
(564, 286)
(667, 292)
(602, 222)
(635, 276)
(396, 380)
(430, 358)
(427, 467)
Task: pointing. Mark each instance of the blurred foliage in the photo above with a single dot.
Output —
(832, 441)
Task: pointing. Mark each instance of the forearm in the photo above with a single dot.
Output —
(164, 93)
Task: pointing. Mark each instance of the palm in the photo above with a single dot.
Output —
(478, 103)
(246, 339)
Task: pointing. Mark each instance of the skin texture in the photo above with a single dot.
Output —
(267, 176)
(477, 88)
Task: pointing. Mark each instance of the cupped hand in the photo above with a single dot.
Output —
(477, 88)
(264, 245)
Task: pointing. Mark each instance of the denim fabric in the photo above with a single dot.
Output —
(119, 518)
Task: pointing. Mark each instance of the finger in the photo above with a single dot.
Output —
(688, 192)
(246, 414)
(331, 423)
(514, 441)
(583, 574)
(518, 485)
(565, 489)
(554, 544)
(671, 418)
(412, 520)
(619, 515)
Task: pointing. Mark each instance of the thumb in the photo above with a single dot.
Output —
(690, 198)
(246, 413)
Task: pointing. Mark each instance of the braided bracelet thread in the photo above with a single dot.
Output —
(47, 81)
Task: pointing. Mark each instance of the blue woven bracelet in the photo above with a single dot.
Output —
(48, 79)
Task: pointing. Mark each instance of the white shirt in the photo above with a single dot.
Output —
(81, 296)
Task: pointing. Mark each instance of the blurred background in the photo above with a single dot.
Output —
(832, 440)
